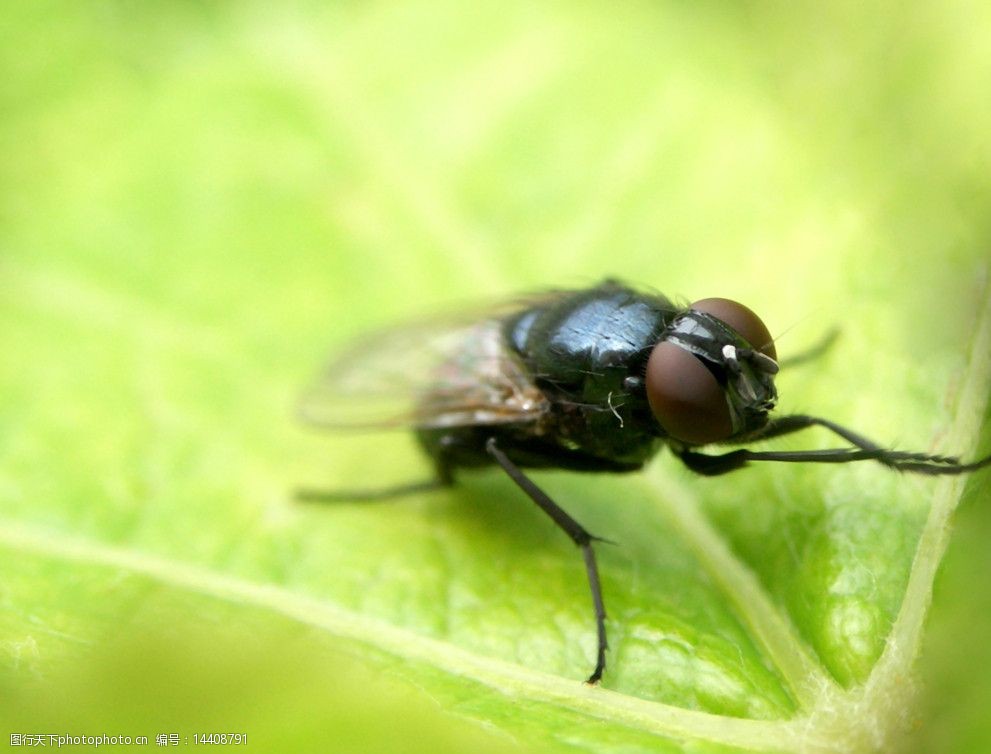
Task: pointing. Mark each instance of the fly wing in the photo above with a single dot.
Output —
(431, 374)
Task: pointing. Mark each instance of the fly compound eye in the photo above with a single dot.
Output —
(686, 399)
(741, 319)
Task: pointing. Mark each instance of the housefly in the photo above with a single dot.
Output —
(588, 380)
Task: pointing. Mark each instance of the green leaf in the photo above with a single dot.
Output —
(199, 202)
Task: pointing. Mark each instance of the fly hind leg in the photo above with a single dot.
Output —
(444, 478)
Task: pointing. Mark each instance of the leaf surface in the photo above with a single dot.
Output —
(199, 202)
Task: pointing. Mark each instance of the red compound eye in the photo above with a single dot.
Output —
(683, 394)
(686, 399)
(741, 319)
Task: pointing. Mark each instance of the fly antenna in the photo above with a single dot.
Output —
(730, 357)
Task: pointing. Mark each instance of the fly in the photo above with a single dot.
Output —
(598, 379)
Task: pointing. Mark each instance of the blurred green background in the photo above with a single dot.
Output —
(200, 201)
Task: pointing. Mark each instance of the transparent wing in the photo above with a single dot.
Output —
(434, 373)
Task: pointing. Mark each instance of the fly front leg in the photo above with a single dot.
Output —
(813, 353)
(578, 535)
(863, 450)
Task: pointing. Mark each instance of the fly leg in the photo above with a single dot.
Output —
(308, 495)
(444, 478)
(578, 535)
(812, 353)
(863, 450)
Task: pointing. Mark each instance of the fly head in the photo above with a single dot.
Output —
(710, 378)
